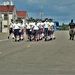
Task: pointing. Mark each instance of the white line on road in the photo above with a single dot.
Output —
(3, 40)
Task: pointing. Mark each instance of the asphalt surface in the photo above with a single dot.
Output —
(56, 57)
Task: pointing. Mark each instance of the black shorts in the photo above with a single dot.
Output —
(27, 31)
(16, 32)
(10, 31)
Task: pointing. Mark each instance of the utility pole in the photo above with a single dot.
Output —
(0, 22)
(8, 6)
(41, 15)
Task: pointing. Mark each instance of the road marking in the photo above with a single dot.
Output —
(3, 40)
(28, 45)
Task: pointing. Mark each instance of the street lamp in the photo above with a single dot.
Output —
(8, 15)
(8, 5)
(41, 14)
(0, 22)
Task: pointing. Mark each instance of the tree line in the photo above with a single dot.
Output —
(63, 27)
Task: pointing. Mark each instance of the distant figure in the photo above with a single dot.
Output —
(16, 28)
(21, 31)
(46, 24)
(51, 29)
(71, 29)
(11, 33)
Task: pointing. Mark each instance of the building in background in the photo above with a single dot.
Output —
(8, 12)
(7, 17)
(22, 15)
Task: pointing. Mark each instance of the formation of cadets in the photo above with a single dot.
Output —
(35, 31)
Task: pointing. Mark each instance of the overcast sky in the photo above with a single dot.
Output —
(60, 10)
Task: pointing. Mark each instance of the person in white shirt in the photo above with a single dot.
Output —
(27, 27)
(16, 28)
(51, 25)
(22, 30)
(40, 25)
(36, 29)
(11, 33)
(31, 24)
(46, 24)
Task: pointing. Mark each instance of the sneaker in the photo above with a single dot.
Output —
(8, 37)
(18, 40)
(72, 39)
(37, 39)
(50, 38)
(54, 38)
(13, 38)
(22, 39)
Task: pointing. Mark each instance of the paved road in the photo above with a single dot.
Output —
(55, 57)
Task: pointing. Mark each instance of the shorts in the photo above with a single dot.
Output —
(49, 32)
(35, 32)
(10, 31)
(16, 32)
(22, 32)
(52, 31)
(46, 31)
(27, 31)
(40, 31)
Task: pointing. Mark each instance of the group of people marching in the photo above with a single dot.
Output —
(35, 30)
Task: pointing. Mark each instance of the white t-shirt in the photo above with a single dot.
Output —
(23, 25)
(16, 25)
(51, 23)
(46, 24)
(36, 27)
(40, 24)
(11, 25)
(32, 24)
(27, 26)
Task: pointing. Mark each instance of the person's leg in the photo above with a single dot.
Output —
(22, 35)
(72, 34)
(27, 34)
(17, 35)
(46, 33)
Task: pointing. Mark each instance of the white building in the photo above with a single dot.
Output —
(23, 15)
(7, 12)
